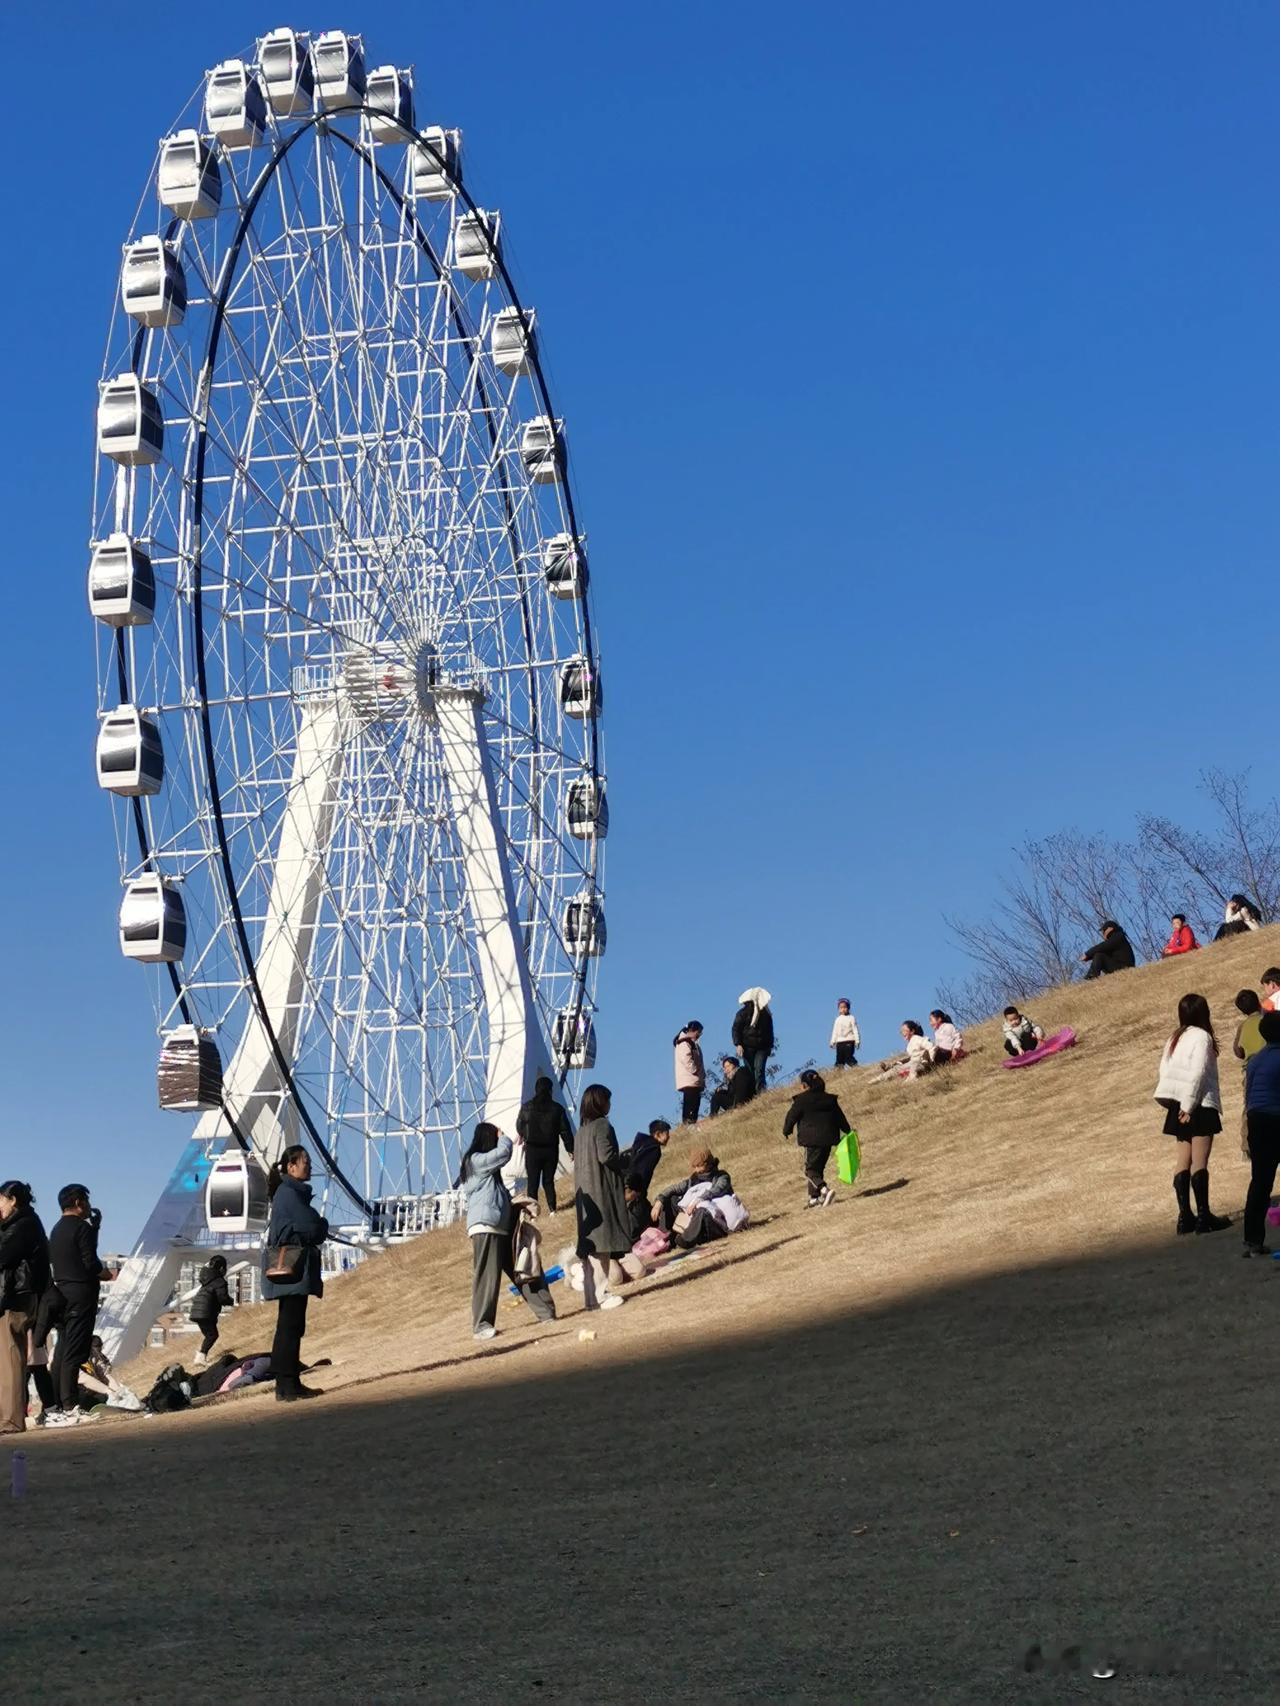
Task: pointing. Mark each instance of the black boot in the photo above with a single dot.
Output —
(1206, 1222)
(1182, 1190)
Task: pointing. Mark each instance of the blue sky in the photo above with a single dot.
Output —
(920, 369)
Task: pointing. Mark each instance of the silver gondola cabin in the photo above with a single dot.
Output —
(129, 756)
(477, 243)
(153, 921)
(581, 695)
(542, 449)
(188, 180)
(339, 66)
(389, 99)
(584, 928)
(122, 587)
(511, 339)
(573, 1040)
(236, 1198)
(564, 566)
(153, 286)
(189, 1075)
(437, 167)
(130, 425)
(586, 809)
(235, 108)
(285, 63)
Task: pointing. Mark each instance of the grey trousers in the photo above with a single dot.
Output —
(490, 1260)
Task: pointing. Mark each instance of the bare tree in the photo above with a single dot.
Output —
(1065, 884)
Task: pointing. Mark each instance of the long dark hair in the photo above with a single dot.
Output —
(914, 1026)
(293, 1153)
(22, 1194)
(940, 1016)
(596, 1102)
(483, 1139)
(1193, 1015)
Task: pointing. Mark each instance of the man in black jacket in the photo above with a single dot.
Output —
(1113, 953)
(645, 1153)
(542, 1126)
(73, 1255)
(738, 1088)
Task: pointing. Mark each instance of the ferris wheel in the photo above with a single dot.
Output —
(348, 683)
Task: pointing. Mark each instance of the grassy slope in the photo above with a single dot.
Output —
(862, 1454)
(1004, 1168)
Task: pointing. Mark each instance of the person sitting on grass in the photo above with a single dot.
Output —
(1183, 939)
(738, 1087)
(1021, 1033)
(1271, 989)
(639, 1208)
(1240, 916)
(917, 1060)
(948, 1043)
(694, 1224)
(1113, 953)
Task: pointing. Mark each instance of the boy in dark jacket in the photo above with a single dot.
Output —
(645, 1152)
(819, 1123)
(73, 1255)
(212, 1297)
(639, 1208)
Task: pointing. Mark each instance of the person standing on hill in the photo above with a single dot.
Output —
(604, 1226)
(1187, 1089)
(691, 1073)
(213, 1295)
(24, 1279)
(292, 1270)
(1241, 915)
(753, 1033)
(1113, 953)
(819, 1123)
(1262, 1111)
(846, 1039)
(491, 1220)
(73, 1256)
(542, 1126)
(1183, 939)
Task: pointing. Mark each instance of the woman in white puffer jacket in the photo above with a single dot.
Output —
(1187, 1089)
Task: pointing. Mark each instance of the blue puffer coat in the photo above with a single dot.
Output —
(294, 1221)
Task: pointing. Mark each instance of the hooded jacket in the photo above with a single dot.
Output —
(691, 1074)
(24, 1262)
(212, 1298)
(642, 1158)
(753, 1023)
(817, 1119)
(542, 1124)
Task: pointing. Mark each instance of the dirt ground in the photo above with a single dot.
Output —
(876, 1452)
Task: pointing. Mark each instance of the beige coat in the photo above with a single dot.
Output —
(691, 1074)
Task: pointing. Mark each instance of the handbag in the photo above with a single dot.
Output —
(848, 1158)
(285, 1263)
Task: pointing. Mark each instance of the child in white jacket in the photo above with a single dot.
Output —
(1188, 1090)
(845, 1038)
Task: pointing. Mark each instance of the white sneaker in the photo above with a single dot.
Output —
(485, 1332)
(199, 1360)
(828, 1196)
(612, 1301)
(63, 1419)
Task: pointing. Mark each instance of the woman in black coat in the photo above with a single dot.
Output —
(24, 1279)
(208, 1303)
(291, 1269)
(819, 1123)
(604, 1228)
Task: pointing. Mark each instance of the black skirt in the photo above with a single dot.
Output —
(1204, 1122)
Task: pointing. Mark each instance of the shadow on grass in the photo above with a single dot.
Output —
(847, 1504)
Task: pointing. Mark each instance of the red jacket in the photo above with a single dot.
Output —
(1181, 942)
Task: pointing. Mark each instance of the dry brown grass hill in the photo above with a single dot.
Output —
(867, 1453)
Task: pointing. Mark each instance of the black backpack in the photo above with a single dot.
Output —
(172, 1391)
